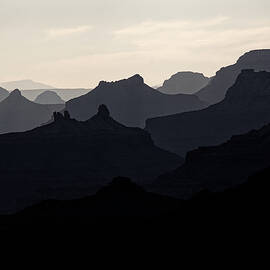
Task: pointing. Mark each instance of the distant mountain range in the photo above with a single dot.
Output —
(76, 156)
(131, 102)
(215, 91)
(184, 83)
(245, 107)
(19, 114)
(49, 97)
(25, 85)
(3, 93)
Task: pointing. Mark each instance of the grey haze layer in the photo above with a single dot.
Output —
(131, 102)
(184, 83)
(19, 114)
(49, 97)
(216, 90)
(245, 107)
(25, 85)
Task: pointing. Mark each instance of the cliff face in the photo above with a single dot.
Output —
(215, 91)
(79, 156)
(131, 102)
(184, 83)
(245, 107)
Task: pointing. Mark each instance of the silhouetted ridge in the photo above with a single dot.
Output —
(255, 56)
(131, 102)
(69, 158)
(215, 91)
(20, 114)
(220, 167)
(245, 107)
(184, 83)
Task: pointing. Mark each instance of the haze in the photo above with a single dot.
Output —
(68, 43)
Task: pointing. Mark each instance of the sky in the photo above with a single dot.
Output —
(77, 43)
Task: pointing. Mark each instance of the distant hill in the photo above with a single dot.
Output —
(49, 97)
(3, 93)
(245, 107)
(215, 91)
(77, 158)
(19, 114)
(131, 102)
(65, 94)
(25, 85)
(184, 83)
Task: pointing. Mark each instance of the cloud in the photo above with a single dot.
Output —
(60, 32)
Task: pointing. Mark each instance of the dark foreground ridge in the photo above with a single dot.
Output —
(76, 158)
(124, 203)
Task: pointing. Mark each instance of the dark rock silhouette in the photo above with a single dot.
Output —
(215, 91)
(19, 114)
(184, 83)
(131, 102)
(49, 97)
(245, 107)
(3, 94)
(25, 85)
(122, 205)
(219, 167)
(79, 156)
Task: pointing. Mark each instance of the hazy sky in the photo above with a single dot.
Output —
(77, 43)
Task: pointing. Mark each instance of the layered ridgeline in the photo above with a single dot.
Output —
(215, 91)
(49, 97)
(19, 114)
(3, 93)
(219, 167)
(245, 107)
(131, 102)
(184, 83)
(78, 156)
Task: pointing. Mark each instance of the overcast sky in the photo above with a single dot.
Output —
(77, 43)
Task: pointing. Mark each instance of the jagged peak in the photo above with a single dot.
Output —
(103, 111)
(134, 80)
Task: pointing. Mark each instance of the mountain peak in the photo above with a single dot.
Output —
(255, 56)
(133, 81)
(15, 93)
(103, 111)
